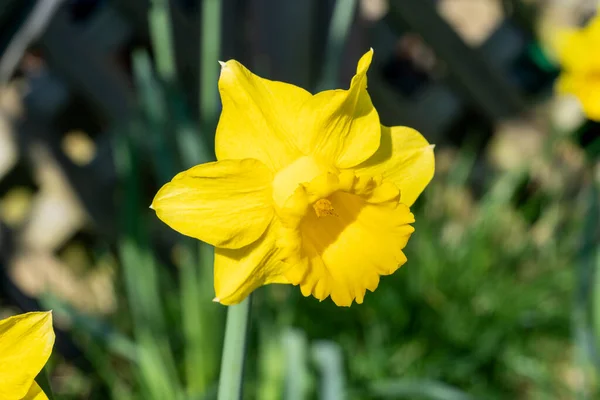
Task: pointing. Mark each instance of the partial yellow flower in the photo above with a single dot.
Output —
(309, 190)
(26, 341)
(577, 51)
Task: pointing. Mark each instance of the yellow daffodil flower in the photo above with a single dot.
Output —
(309, 190)
(26, 342)
(577, 51)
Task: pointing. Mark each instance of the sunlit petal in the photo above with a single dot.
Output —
(341, 126)
(239, 271)
(575, 47)
(258, 118)
(224, 203)
(405, 158)
(580, 62)
(26, 341)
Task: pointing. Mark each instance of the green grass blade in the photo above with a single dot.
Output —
(210, 48)
(406, 389)
(297, 384)
(590, 253)
(155, 359)
(117, 343)
(271, 363)
(142, 285)
(161, 33)
(200, 319)
(330, 361)
(152, 100)
(343, 15)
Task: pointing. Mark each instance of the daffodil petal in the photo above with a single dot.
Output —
(258, 117)
(585, 88)
(573, 48)
(26, 341)
(225, 203)
(341, 126)
(35, 393)
(240, 271)
(405, 158)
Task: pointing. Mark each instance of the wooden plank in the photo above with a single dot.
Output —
(94, 184)
(485, 86)
(107, 29)
(88, 71)
(431, 114)
(186, 36)
(504, 45)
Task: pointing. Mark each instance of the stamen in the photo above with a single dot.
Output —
(324, 208)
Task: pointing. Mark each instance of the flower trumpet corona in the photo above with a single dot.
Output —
(309, 190)
(577, 51)
(26, 342)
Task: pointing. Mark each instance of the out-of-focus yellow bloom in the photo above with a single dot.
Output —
(580, 60)
(26, 342)
(309, 189)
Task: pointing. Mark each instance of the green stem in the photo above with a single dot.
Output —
(234, 351)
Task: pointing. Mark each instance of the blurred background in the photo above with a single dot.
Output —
(102, 102)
